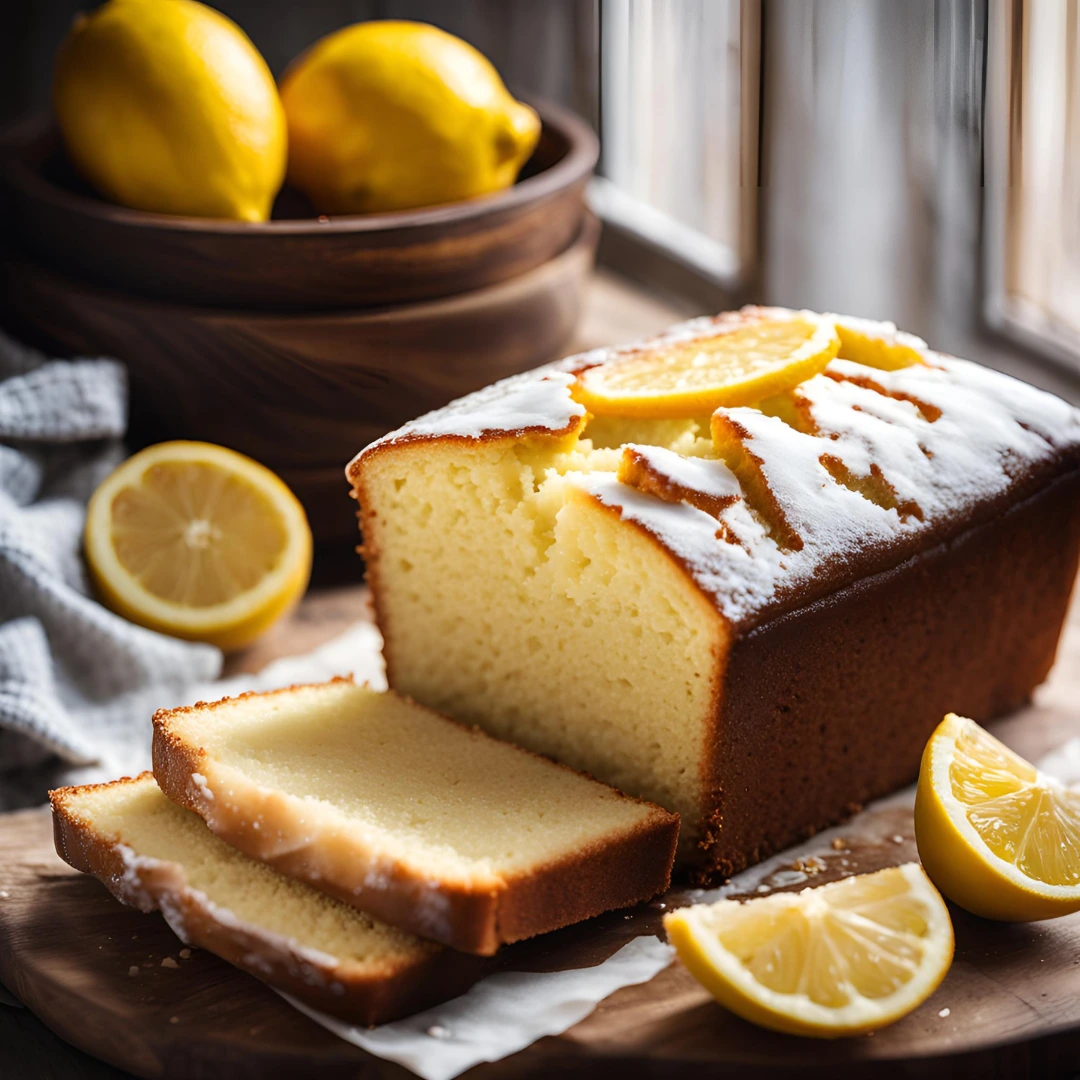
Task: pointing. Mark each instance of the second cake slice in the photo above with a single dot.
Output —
(429, 825)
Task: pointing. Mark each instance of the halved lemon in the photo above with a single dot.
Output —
(997, 836)
(199, 542)
(739, 364)
(877, 345)
(839, 959)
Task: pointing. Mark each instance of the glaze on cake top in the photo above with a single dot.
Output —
(869, 467)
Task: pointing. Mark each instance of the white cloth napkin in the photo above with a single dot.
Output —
(77, 683)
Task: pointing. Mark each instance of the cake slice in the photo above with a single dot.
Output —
(154, 855)
(435, 827)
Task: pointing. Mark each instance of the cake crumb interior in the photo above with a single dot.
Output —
(429, 792)
(504, 584)
(139, 816)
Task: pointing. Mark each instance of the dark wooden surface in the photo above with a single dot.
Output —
(298, 260)
(67, 949)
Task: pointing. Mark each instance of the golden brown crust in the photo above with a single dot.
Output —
(635, 470)
(930, 413)
(830, 705)
(363, 994)
(475, 917)
(354, 470)
(732, 439)
(634, 867)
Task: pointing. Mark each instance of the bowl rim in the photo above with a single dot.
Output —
(583, 244)
(578, 163)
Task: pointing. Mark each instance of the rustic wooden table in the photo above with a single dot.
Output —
(673, 1027)
(1008, 1008)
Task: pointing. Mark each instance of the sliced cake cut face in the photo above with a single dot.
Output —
(511, 599)
(434, 826)
(578, 584)
(155, 855)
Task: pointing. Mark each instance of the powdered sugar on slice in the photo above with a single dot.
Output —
(708, 476)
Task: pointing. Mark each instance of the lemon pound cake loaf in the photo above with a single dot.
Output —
(432, 826)
(741, 570)
(157, 857)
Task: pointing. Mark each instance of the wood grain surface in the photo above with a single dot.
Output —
(299, 260)
(302, 392)
(92, 969)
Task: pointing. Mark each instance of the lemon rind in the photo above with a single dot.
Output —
(808, 360)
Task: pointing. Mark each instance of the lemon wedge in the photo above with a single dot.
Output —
(997, 836)
(840, 959)
(738, 364)
(199, 542)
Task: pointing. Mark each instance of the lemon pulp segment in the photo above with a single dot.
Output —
(846, 957)
(198, 541)
(999, 837)
(195, 535)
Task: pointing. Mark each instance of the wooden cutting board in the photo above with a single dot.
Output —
(92, 970)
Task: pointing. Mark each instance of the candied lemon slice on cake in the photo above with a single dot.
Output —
(997, 836)
(877, 345)
(199, 542)
(839, 959)
(737, 364)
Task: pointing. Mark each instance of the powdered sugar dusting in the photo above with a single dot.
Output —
(202, 788)
(734, 574)
(990, 429)
(540, 400)
(129, 885)
(706, 475)
(937, 440)
(313, 965)
(537, 400)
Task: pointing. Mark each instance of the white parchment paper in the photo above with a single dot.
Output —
(501, 1014)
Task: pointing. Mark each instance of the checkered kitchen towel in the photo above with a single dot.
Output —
(77, 683)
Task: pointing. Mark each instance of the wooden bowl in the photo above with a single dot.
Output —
(301, 392)
(298, 260)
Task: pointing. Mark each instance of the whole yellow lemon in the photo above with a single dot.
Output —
(166, 105)
(391, 115)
